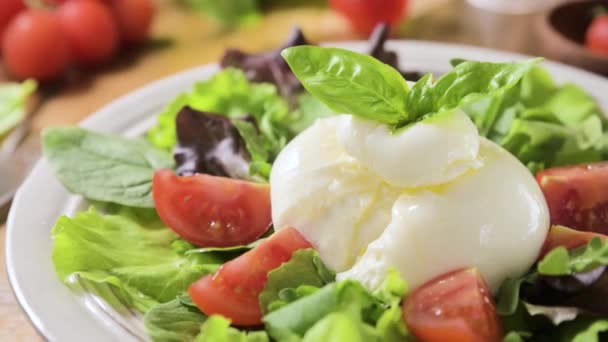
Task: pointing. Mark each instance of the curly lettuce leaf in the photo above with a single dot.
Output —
(362, 315)
(556, 300)
(174, 321)
(230, 94)
(304, 268)
(561, 262)
(218, 329)
(13, 97)
(139, 257)
(542, 123)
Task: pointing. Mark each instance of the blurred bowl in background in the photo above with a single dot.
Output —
(562, 35)
(513, 6)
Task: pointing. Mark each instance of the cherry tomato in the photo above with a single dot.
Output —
(577, 196)
(212, 211)
(455, 307)
(91, 29)
(566, 237)
(596, 37)
(8, 10)
(364, 15)
(134, 18)
(234, 289)
(35, 46)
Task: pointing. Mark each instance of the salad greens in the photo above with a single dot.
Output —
(304, 268)
(173, 321)
(131, 250)
(342, 310)
(103, 167)
(559, 299)
(211, 144)
(229, 93)
(269, 67)
(217, 328)
(13, 98)
(544, 124)
(561, 262)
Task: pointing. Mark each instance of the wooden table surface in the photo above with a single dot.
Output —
(195, 41)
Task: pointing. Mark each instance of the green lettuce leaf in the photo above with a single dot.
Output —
(218, 329)
(364, 316)
(589, 330)
(561, 262)
(544, 124)
(13, 97)
(229, 93)
(304, 268)
(104, 167)
(174, 321)
(142, 259)
(338, 327)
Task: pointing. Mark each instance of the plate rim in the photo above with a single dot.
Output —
(102, 116)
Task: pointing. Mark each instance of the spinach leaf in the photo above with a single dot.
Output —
(104, 167)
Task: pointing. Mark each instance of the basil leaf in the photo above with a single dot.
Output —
(350, 82)
(104, 167)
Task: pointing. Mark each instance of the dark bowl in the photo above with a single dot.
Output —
(562, 32)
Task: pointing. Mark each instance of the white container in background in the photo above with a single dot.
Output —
(514, 6)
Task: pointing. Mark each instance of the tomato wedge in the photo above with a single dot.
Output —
(455, 307)
(566, 237)
(234, 289)
(212, 211)
(577, 196)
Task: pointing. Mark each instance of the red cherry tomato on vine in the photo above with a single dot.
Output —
(364, 15)
(597, 35)
(91, 29)
(8, 10)
(35, 46)
(134, 18)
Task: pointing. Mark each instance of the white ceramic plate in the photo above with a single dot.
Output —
(64, 314)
